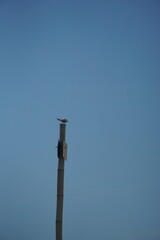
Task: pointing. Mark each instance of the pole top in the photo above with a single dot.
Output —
(63, 120)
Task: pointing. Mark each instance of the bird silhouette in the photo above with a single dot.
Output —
(63, 120)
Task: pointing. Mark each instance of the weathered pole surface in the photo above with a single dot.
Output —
(62, 155)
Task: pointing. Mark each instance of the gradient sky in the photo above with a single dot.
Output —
(96, 63)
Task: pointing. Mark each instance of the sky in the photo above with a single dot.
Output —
(96, 63)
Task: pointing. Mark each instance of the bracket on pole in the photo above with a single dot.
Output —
(62, 150)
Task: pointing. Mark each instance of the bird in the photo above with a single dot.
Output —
(63, 120)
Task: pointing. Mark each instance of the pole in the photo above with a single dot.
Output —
(62, 155)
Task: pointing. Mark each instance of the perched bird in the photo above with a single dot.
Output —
(63, 120)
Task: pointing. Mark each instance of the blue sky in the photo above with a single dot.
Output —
(96, 63)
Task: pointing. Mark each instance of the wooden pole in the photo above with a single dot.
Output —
(62, 155)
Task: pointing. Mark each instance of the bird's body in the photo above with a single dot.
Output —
(63, 120)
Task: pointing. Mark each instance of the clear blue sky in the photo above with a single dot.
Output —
(96, 63)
